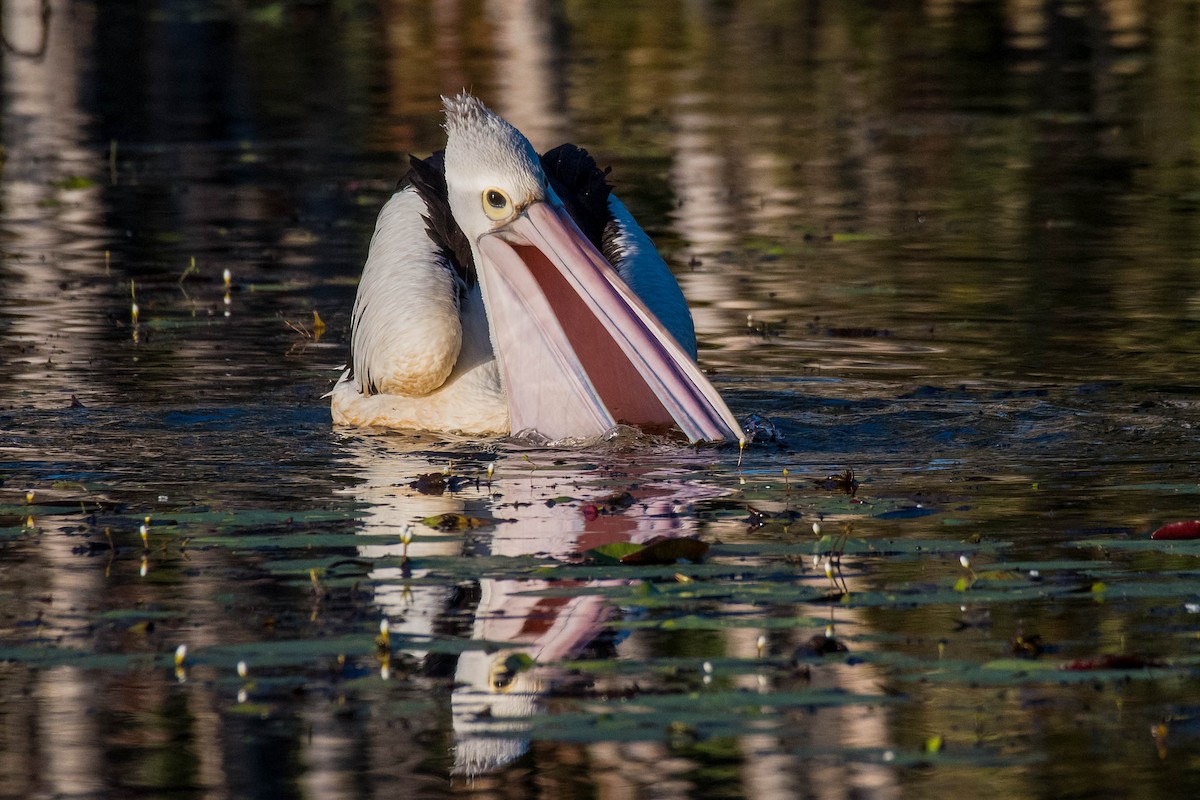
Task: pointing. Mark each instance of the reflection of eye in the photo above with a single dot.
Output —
(502, 677)
(496, 204)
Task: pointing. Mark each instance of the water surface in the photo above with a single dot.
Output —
(950, 248)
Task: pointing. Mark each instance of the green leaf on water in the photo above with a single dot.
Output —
(38, 656)
(855, 237)
(13, 532)
(74, 182)
(300, 541)
(659, 551)
(39, 509)
(611, 553)
(458, 522)
(259, 710)
(1020, 665)
(138, 614)
(711, 622)
(1001, 576)
(1183, 547)
(667, 550)
(224, 520)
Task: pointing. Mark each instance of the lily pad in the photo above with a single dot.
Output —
(1189, 529)
(661, 550)
(612, 553)
(451, 521)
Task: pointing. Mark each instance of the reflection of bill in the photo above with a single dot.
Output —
(497, 693)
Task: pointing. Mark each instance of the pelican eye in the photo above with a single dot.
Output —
(496, 204)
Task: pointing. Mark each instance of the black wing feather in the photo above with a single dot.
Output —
(428, 177)
(583, 187)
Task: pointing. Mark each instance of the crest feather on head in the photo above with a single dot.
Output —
(471, 124)
(465, 111)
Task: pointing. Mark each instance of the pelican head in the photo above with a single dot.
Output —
(578, 350)
(492, 171)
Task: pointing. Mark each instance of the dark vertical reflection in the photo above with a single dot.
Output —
(1072, 227)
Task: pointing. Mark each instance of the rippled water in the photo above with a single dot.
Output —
(949, 249)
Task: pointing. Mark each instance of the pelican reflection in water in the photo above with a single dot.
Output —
(532, 624)
(507, 292)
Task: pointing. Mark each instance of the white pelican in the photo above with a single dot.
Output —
(510, 292)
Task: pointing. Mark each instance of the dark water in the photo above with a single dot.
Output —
(952, 247)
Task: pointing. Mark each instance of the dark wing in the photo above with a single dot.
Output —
(428, 177)
(583, 188)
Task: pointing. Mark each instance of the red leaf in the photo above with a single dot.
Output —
(1111, 662)
(1189, 529)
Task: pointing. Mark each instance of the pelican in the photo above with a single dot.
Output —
(507, 292)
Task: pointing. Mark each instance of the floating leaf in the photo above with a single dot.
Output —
(1188, 529)
(612, 553)
(910, 512)
(1111, 661)
(659, 551)
(1017, 666)
(1002, 576)
(451, 521)
(260, 710)
(667, 550)
(74, 182)
(1176, 546)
